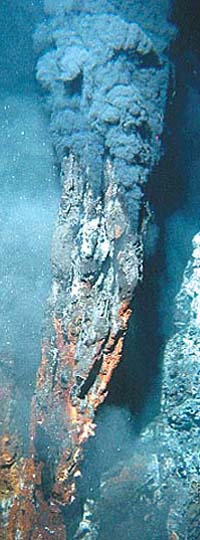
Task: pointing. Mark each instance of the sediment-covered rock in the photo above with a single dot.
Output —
(160, 483)
(180, 405)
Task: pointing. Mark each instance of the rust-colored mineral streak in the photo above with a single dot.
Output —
(96, 264)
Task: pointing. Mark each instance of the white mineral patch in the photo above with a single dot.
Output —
(75, 290)
(55, 289)
(89, 232)
(196, 251)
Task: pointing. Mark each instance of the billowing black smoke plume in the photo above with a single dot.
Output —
(106, 87)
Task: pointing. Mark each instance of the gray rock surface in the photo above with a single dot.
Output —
(180, 404)
(160, 483)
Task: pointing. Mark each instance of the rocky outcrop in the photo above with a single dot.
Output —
(159, 483)
(180, 406)
(10, 446)
(97, 263)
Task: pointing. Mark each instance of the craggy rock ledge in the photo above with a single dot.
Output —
(106, 84)
(160, 482)
(97, 264)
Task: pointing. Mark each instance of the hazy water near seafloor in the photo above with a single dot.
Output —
(29, 195)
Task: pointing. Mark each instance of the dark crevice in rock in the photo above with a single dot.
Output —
(90, 379)
(138, 376)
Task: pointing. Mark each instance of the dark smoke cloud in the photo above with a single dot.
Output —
(106, 90)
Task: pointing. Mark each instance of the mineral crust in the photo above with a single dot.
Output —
(160, 482)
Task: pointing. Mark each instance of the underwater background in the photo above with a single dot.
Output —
(30, 192)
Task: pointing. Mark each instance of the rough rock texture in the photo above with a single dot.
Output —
(160, 484)
(10, 446)
(180, 405)
(107, 86)
(97, 263)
